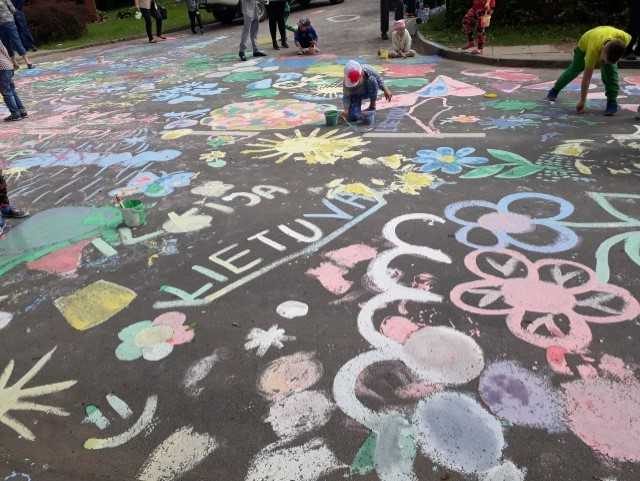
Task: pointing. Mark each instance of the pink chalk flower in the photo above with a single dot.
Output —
(548, 303)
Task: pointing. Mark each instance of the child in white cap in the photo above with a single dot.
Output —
(401, 41)
(361, 82)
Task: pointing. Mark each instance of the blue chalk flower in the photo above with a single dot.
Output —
(447, 160)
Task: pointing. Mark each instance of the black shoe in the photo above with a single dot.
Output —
(385, 36)
(12, 118)
(258, 53)
(24, 114)
(12, 213)
(34, 49)
(243, 57)
(284, 44)
(193, 31)
(275, 46)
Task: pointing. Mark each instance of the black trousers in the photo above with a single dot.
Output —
(193, 17)
(276, 13)
(385, 8)
(147, 13)
(634, 26)
(411, 6)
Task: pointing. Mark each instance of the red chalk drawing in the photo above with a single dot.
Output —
(64, 262)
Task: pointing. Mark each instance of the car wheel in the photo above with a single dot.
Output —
(224, 13)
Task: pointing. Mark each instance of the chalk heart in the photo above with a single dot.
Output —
(442, 355)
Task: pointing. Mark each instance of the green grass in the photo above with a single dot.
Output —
(438, 30)
(114, 28)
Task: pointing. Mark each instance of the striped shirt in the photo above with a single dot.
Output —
(5, 60)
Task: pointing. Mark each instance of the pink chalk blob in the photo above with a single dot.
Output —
(351, 255)
(398, 328)
(605, 414)
(331, 277)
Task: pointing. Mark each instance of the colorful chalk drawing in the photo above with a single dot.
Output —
(548, 303)
(155, 340)
(265, 114)
(423, 352)
(295, 410)
(15, 397)
(506, 226)
(326, 148)
(143, 423)
(630, 240)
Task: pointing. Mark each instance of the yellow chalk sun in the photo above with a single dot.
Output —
(313, 149)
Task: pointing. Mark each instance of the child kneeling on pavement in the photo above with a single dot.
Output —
(401, 41)
(361, 82)
(599, 47)
(306, 38)
(8, 88)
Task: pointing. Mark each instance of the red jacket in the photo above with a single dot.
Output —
(480, 4)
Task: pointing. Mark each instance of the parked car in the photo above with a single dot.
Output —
(228, 10)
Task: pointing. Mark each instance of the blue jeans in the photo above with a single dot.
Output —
(23, 30)
(9, 94)
(355, 101)
(11, 39)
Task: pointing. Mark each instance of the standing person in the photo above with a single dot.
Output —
(23, 27)
(401, 41)
(634, 30)
(361, 82)
(148, 8)
(250, 28)
(276, 10)
(194, 15)
(385, 8)
(411, 8)
(476, 21)
(599, 47)
(8, 90)
(9, 34)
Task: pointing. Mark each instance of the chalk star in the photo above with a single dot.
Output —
(262, 340)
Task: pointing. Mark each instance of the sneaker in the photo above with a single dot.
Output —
(612, 108)
(552, 95)
(385, 36)
(30, 66)
(13, 213)
(24, 114)
(243, 57)
(13, 118)
(275, 46)
(258, 53)
(284, 44)
(162, 37)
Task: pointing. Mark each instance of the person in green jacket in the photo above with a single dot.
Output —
(600, 47)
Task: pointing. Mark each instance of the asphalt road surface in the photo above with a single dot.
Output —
(450, 293)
